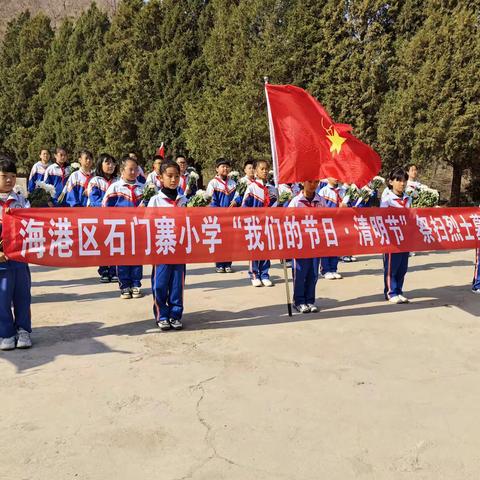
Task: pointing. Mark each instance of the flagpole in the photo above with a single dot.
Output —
(275, 175)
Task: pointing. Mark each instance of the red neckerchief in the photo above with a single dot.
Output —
(265, 192)
(402, 201)
(307, 202)
(224, 183)
(132, 191)
(183, 182)
(336, 190)
(62, 168)
(87, 179)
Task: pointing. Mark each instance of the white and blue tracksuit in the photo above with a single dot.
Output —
(476, 273)
(37, 174)
(222, 193)
(395, 265)
(124, 194)
(141, 177)
(305, 270)
(168, 281)
(238, 199)
(154, 179)
(292, 188)
(57, 176)
(182, 187)
(332, 198)
(258, 195)
(15, 284)
(75, 190)
(96, 189)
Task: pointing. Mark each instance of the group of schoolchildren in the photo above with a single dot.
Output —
(112, 184)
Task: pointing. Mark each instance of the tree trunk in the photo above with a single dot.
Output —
(456, 185)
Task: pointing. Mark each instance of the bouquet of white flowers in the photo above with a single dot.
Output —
(242, 185)
(377, 183)
(234, 175)
(427, 197)
(193, 178)
(149, 191)
(200, 199)
(352, 193)
(42, 195)
(74, 167)
(284, 197)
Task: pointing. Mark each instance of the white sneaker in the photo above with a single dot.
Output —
(126, 294)
(267, 282)
(337, 276)
(136, 292)
(256, 282)
(396, 299)
(23, 339)
(313, 308)
(404, 299)
(353, 259)
(7, 343)
(302, 308)
(329, 276)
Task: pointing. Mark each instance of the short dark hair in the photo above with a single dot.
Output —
(7, 164)
(85, 152)
(222, 161)
(256, 163)
(180, 155)
(248, 162)
(98, 167)
(125, 159)
(157, 157)
(398, 173)
(169, 164)
(58, 149)
(410, 165)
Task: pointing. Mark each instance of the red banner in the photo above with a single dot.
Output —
(79, 237)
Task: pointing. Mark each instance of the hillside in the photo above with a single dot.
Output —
(55, 9)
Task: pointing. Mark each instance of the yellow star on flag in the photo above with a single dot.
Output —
(337, 142)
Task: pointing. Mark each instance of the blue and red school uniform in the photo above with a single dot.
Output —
(222, 193)
(476, 273)
(57, 175)
(75, 190)
(395, 265)
(305, 270)
(155, 179)
(37, 174)
(168, 281)
(15, 283)
(331, 197)
(259, 195)
(95, 192)
(125, 194)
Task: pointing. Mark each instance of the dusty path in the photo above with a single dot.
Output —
(363, 389)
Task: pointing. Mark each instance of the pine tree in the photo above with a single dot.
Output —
(436, 105)
(22, 61)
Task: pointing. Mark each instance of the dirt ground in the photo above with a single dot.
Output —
(364, 389)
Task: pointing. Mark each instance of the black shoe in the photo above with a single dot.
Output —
(164, 325)
(176, 324)
(104, 279)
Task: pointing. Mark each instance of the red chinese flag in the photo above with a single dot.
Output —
(161, 150)
(308, 145)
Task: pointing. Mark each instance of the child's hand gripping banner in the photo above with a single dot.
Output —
(82, 237)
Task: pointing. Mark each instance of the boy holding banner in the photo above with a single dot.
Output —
(305, 270)
(168, 280)
(127, 192)
(258, 194)
(476, 274)
(15, 281)
(395, 265)
(222, 190)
